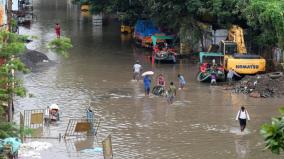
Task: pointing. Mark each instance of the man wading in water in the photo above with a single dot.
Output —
(172, 93)
(242, 116)
(57, 30)
(147, 85)
(136, 70)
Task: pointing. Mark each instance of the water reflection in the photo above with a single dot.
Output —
(242, 147)
(147, 117)
(125, 38)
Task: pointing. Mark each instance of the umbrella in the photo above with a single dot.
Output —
(148, 73)
(54, 106)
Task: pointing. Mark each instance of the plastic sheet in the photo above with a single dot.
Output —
(32, 150)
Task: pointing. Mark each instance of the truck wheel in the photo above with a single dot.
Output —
(275, 75)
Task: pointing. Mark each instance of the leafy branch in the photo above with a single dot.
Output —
(274, 134)
(61, 45)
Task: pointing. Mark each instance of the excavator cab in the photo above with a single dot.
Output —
(228, 47)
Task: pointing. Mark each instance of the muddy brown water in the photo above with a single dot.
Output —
(199, 124)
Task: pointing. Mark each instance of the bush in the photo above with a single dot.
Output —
(60, 46)
(274, 134)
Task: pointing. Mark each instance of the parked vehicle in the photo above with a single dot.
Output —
(143, 30)
(210, 63)
(163, 49)
(126, 27)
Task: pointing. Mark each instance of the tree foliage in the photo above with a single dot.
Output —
(11, 45)
(274, 133)
(263, 17)
(6, 128)
(267, 18)
(61, 45)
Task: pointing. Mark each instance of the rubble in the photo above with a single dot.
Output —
(260, 86)
(31, 58)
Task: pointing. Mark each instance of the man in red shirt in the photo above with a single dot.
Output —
(57, 30)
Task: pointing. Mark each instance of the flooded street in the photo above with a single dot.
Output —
(200, 124)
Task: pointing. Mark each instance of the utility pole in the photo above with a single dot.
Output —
(9, 14)
(10, 98)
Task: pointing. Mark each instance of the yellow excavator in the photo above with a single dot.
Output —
(236, 56)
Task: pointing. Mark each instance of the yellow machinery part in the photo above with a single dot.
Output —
(85, 7)
(125, 29)
(236, 34)
(245, 66)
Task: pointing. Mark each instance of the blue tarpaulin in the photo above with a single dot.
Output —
(146, 28)
(13, 141)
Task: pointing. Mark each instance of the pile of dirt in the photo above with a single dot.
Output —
(261, 86)
(31, 57)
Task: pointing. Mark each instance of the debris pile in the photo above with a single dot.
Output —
(261, 86)
(32, 150)
(31, 57)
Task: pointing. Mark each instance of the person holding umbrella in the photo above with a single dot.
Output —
(147, 82)
(147, 85)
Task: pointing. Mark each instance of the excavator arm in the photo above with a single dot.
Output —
(236, 34)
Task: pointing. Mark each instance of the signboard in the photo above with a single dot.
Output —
(107, 148)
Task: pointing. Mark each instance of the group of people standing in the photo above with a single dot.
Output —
(231, 73)
(170, 91)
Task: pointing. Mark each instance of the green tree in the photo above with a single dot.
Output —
(266, 18)
(11, 45)
(7, 129)
(274, 133)
(60, 46)
(263, 17)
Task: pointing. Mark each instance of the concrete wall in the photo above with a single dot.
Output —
(213, 37)
(218, 35)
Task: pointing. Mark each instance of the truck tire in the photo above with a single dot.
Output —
(275, 75)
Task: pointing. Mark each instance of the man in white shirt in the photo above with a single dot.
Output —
(231, 74)
(242, 116)
(136, 70)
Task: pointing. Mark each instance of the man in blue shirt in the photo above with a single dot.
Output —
(147, 85)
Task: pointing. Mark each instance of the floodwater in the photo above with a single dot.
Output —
(199, 124)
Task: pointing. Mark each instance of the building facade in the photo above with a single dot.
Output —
(3, 14)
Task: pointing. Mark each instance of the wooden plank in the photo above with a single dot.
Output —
(107, 148)
(37, 118)
(82, 127)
